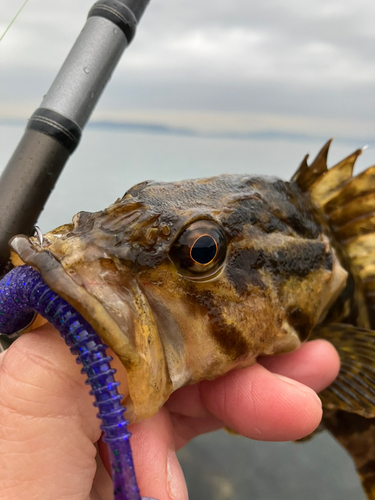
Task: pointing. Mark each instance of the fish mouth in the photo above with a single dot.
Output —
(118, 312)
(86, 304)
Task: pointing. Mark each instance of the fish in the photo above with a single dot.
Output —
(188, 280)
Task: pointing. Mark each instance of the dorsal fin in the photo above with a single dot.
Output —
(322, 183)
(306, 175)
(334, 179)
(347, 204)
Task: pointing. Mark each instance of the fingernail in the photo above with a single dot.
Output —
(2, 354)
(299, 386)
(176, 486)
(171, 482)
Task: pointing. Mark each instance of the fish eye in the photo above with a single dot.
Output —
(200, 249)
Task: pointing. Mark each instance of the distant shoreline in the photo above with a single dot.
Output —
(159, 129)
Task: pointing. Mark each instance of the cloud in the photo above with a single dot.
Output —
(271, 63)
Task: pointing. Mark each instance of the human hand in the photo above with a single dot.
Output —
(50, 441)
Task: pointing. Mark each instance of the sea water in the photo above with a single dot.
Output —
(108, 162)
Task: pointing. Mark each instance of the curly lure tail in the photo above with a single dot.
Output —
(24, 293)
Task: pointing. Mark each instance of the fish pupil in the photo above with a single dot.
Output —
(204, 249)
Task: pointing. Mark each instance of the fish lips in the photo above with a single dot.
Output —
(55, 276)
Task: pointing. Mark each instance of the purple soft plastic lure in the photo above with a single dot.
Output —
(23, 292)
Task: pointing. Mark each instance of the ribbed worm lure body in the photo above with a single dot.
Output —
(24, 293)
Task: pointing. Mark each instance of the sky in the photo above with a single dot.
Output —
(285, 66)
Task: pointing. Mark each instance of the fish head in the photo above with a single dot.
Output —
(188, 280)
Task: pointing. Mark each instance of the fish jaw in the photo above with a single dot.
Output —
(117, 310)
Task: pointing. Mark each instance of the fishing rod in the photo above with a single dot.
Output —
(55, 128)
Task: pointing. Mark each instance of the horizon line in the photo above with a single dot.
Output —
(161, 129)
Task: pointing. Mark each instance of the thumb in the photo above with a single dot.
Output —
(48, 423)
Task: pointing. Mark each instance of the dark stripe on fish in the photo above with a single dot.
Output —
(297, 259)
(243, 269)
(229, 338)
(278, 209)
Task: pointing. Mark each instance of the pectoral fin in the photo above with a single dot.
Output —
(357, 435)
(349, 403)
(354, 389)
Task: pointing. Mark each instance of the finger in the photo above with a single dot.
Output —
(48, 423)
(261, 405)
(158, 471)
(189, 416)
(102, 486)
(315, 364)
